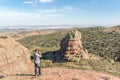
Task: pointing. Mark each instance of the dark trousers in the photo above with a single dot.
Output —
(37, 69)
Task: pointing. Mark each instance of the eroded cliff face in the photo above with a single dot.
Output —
(71, 44)
(13, 56)
(71, 48)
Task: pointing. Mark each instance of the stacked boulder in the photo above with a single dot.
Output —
(71, 47)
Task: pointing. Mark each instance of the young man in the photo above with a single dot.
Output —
(37, 65)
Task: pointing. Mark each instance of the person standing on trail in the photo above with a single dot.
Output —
(37, 65)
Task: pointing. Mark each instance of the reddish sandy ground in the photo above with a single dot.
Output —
(60, 74)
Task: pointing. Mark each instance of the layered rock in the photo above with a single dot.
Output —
(71, 47)
(13, 56)
(71, 44)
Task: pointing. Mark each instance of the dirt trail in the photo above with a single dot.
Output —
(60, 74)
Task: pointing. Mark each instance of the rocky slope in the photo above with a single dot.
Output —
(61, 74)
(13, 56)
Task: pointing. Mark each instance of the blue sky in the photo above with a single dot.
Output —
(59, 12)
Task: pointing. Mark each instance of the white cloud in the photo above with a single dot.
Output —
(14, 17)
(31, 3)
(28, 2)
(45, 1)
(61, 10)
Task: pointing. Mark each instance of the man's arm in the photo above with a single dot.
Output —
(40, 55)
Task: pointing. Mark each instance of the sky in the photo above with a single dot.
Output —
(59, 12)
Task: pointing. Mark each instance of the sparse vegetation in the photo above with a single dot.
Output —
(97, 65)
(95, 40)
(47, 40)
(104, 44)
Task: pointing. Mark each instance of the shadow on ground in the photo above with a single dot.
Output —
(1, 76)
(104, 78)
(54, 56)
(25, 75)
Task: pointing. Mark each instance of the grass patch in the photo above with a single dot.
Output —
(92, 65)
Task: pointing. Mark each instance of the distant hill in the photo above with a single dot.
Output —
(118, 26)
(98, 40)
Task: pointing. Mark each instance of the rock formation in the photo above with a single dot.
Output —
(13, 56)
(71, 47)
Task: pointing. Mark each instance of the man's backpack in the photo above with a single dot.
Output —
(31, 57)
